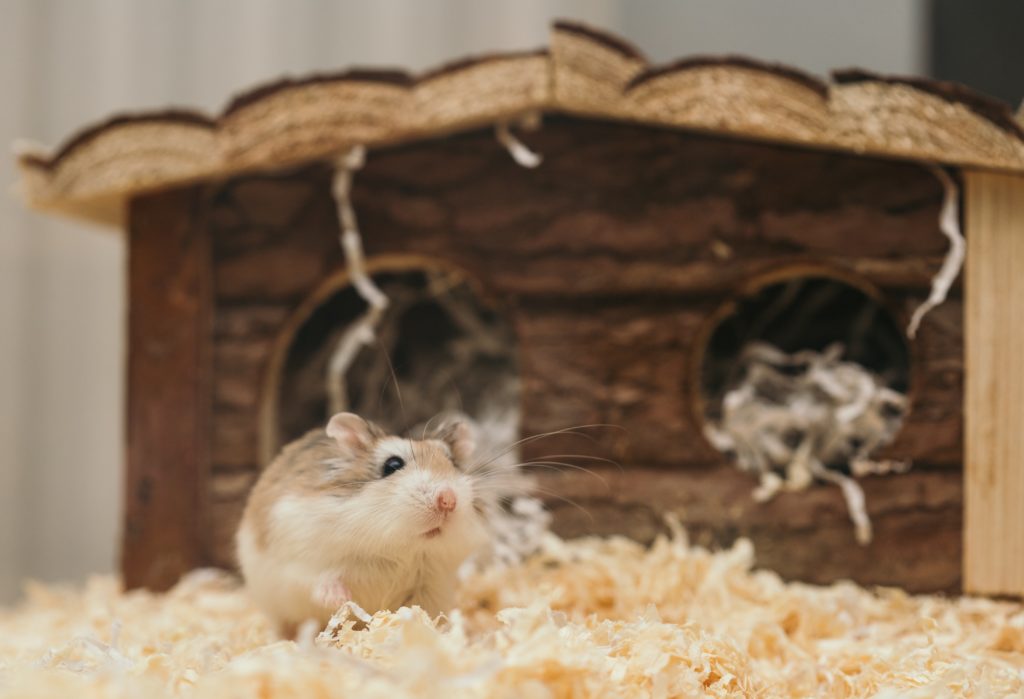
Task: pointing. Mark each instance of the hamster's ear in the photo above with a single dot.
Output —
(460, 437)
(351, 432)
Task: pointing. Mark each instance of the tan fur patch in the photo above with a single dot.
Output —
(299, 469)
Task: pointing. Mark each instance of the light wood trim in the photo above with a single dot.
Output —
(994, 396)
(587, 72)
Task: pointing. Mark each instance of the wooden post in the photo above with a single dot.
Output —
(169, 286)
(994, 396)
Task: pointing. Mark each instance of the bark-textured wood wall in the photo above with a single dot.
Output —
(168, 459)
(611, 258)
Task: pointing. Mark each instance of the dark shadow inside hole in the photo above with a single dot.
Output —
(805, 313)
(448, 350)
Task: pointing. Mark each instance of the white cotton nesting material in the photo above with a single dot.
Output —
(362, 332)
(949, 224)
(586, 618)
(794, 418)
(519, 151)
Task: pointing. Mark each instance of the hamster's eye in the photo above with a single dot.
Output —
(394, 463)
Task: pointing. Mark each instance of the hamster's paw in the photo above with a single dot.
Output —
(330, 592)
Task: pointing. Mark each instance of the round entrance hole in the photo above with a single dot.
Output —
(808, 369)
(440, 347)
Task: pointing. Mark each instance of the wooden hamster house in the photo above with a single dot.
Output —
(665, 193)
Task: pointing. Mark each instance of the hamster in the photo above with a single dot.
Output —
(351, 513)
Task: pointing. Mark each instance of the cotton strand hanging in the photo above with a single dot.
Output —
(362, 331)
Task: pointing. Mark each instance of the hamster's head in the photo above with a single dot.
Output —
(390, 496)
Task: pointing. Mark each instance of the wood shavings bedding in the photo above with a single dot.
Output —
(596, 617)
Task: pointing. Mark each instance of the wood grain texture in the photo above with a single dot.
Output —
(587, 71)
(994, 398)
(168, 389)
(610, 259)
(801, 536)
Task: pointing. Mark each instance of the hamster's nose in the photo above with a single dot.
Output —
(446, 500)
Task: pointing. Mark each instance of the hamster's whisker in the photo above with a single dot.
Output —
(494, 484)
(412, 450)
(551, 459)
(574, 430)
(426, 426)
(547, 457)
(568, 501)
(394, 378)
(585, 457)
(561, 465)
(552, 465)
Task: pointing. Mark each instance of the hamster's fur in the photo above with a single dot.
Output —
(332, 519)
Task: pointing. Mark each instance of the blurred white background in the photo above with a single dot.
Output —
(66, 63)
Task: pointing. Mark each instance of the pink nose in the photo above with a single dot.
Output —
(446, 500)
